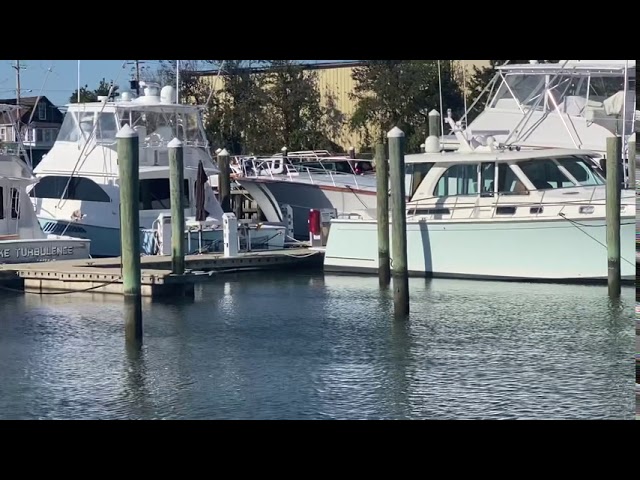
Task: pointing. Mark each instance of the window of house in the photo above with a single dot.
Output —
(458, 180)
(42, 111)
(39, 135)
(1, 203)
(3, 133)
(47, 135)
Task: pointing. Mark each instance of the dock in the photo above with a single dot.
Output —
(105, 275)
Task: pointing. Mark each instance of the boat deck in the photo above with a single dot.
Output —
(105, 275)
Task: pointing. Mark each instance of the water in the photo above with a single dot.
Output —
(308, 346)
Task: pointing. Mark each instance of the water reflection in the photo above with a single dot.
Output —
(306, 346)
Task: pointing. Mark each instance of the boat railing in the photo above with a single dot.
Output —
(256, 167)
(435, 207)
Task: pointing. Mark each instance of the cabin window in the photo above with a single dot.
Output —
(78, 188)
(487, 179)
(107, 127)
(417, 171)
(15, 203)
(155, 194)
(458, 180)
(582, 170)
(508, 182)
(1, 203)
(544, 174)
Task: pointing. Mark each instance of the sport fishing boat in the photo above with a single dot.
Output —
(21, 237)
(78, 190)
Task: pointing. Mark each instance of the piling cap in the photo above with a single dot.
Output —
(126, 132)
(223, 153)
(434, 113)
(175, 143)
(395, 133)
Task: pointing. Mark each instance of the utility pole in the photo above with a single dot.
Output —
(18, 134)
(137, 64)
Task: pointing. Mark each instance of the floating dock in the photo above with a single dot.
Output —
(105, 276)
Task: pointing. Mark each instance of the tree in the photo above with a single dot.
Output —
(401, 93)
(481, 78)
(88, 96)
(294, 110)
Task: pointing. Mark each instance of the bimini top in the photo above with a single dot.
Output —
(601, 66)
(497, 155)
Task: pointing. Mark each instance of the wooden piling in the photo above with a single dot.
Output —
(382, 177)
(128, 165)
(632, 164)
(176, 182)
(614, 153)
(399, 267)
(224, 181)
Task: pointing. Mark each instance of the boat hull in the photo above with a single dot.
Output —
(546, 250)
(302, 197)
(42, 250)
(105, 241)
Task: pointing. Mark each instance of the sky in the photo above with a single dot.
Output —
(58, 79)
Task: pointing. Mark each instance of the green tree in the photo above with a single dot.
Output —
(295, 112)
(192, 89)
(88, 96)
(401, 93)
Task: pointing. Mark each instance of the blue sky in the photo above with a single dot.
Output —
(61, 81)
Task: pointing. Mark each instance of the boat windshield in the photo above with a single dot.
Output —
(561, 172)
(80, 127)
(567, 92)
(161, 127)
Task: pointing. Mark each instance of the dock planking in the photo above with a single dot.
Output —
(157, 279)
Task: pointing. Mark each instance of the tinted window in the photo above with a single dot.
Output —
(458, 180)
(544, 174)
(155, 194)
(78, 189)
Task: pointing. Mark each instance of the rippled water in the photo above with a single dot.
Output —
(308, 346)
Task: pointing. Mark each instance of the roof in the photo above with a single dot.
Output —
(602, 66)
(27, 104)
(498, 155)
(262, 69)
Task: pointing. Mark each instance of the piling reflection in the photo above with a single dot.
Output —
(133, 321)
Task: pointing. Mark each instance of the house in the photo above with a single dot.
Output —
(40, 122)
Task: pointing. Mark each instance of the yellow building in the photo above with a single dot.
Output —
(336, 80)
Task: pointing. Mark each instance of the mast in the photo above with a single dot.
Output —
(177, 81)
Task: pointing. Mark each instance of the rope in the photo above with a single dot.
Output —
(577, 225)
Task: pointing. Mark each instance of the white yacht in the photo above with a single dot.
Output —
(21, 237)
(570, 104)
(305, 181)
(78, 192)
(497, 213)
